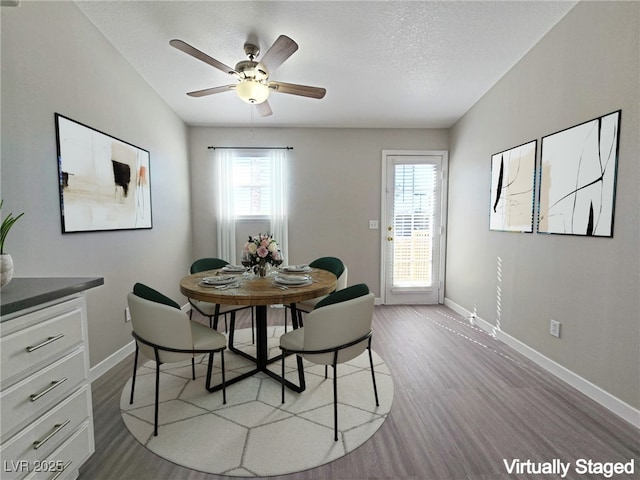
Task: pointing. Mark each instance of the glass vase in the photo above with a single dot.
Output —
(262, 270)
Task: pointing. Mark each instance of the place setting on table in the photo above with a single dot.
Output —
(234, 276)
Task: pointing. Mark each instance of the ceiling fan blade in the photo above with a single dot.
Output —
(194, 52)
(264, 109)
(211, 91)
(281, 49)
(294, 89)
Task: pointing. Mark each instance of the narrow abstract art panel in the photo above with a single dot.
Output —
(104, 182)
(578, 178)
(512, 192)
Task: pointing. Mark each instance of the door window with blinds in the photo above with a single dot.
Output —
(413, 221)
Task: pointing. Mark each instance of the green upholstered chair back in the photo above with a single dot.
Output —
(148, 293)
(330, 264)
(204, 264)
(343, 295)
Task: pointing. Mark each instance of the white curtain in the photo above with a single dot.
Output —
(226, 224)
(279, 224)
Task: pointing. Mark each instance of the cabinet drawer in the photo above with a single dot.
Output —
(64, 463)
(42, 437)
(25, 349)
(32, 396)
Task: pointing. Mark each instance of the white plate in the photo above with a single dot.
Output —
(297, 268)
(234, 268)
(219, 280)
(293, 279)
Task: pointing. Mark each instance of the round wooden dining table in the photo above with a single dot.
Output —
(259, 292)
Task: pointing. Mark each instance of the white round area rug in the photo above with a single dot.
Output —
(254, 434)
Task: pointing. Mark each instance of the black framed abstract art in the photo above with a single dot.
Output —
(578, 178)
(104, 182)
(512, 189)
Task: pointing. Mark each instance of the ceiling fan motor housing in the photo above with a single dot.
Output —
(252, 70)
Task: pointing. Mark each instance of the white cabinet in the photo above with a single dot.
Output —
(45, 396)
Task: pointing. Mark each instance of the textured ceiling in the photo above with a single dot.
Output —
(387, 64)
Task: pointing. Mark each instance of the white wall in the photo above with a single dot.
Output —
(55, 60)
(587, 66)
(335, 188)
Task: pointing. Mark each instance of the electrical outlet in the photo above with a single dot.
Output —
(373, 224)
(127, 315)
(554, 328)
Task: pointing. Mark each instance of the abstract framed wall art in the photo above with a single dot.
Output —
(512, 189)
(104, 182)
(578, 178)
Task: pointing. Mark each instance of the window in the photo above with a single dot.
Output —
(252, 185)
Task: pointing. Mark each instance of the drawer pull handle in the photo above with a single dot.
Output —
(62, 470)
(46, 342)
(56, 428)
(35, 396)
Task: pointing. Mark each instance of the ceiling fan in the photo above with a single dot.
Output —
(253, 77)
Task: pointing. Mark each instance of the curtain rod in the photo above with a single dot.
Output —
(252, 148)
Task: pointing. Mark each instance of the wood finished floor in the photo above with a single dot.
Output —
(463, 402)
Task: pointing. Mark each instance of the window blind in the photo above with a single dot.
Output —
(413, 218)
(252, 186)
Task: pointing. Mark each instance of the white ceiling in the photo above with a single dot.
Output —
(385, 64)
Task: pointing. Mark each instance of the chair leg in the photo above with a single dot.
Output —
(335, 402)
(301, 381)
(373, 375)
(209, 370)
(193, 367)
(283, 357)
(155, 423)
(133, 379)
(224, 382)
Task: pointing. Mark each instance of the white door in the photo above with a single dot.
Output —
(413, 231)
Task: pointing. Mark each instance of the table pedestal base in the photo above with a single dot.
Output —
(262, 352)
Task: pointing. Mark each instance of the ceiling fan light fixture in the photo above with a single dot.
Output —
(252, 92)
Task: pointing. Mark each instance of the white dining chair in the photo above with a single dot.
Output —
(336, 331)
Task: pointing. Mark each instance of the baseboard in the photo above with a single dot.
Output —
(604, 398)
(111, 361)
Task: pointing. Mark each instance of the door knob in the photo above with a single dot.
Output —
(389, 228)
(390, 239)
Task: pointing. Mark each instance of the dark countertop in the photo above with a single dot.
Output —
(23, 293)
